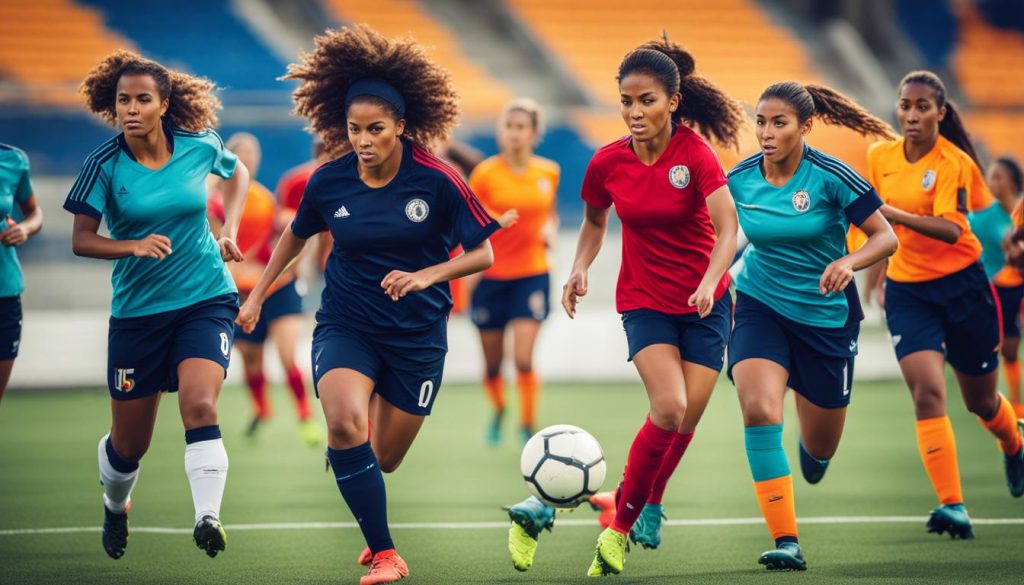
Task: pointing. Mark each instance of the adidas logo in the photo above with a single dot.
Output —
(122, 191)
(342, 212)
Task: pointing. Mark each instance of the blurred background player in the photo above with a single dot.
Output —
(939, 305)
(798, 316)
(395, 210)
(993, 226)
(281, 319)
(173, 304)
(514, 291)
(678, 239)
(290, 188)
(15, 190)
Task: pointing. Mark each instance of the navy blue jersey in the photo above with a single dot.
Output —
(409, 224)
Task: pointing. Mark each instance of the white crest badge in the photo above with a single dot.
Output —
(801, 201)
(544, 185)
(417, 210)
(679, 176)
(928, 180)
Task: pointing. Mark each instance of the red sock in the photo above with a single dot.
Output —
(298, 387)
(258, 391)
(645, 458)
(668, 465)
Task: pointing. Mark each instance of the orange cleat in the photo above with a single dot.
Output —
(386, 567)
(604, 504)
(365, 557)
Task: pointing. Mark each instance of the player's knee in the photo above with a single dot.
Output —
(347, 430)
(131, 451)
(821, 450)
(668, 411)
(1009, 354)
(524, 366)
(199, 412)
(927, 395)
(758, 410)
(985, 405)
(493, 370)
(389, 463)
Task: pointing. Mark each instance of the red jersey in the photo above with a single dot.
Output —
(667, 234)
(293, 184)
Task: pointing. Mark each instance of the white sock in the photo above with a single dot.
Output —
(117, 485)
(206, 464)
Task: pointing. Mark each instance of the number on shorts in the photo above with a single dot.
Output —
(426, 392)
(225, 344)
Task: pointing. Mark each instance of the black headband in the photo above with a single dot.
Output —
(378, 88)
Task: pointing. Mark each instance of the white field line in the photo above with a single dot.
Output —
(494, 525)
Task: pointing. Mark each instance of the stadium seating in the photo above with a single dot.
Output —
(989, 62)
(45, 71)
(482, 94)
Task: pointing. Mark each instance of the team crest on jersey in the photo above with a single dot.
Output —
(928, 180)
(417, 210)
(801, 201)
(123, 380)
(544, 185)
(679, 176)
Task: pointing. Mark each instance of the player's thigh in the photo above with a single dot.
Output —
(979, 392)
(759, 361)
(199, 384)
(6, 366)
(659, 366)
(524, 339)
(700, 382)
(820, 428)
(394, 431)
(345, 397)
(761, 387)
(252, 355)
(131, 425)
(492, 343)
(925, 374)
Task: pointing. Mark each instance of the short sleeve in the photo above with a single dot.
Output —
(224, 161)
(308, 222)
(88, 195)
(23, 190)
(952, 194)
(470, 223)
(849, 191)
(706, 170)
(594, 192)
(980, 197)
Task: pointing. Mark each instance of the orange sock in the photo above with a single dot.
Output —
(775, 497)
(937, 445)
(495, 388)
(1012, 371)
(1004, 426)
(529, 387)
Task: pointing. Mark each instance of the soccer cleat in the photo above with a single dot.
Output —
(647, 530)
(386, 567)
(310, 433)
(786, 557)
(115, 532)
(951, 518)
(812, 468)
(210, 536)
(494, 429)
(527, 433)
(610, 554)
(604, 504)
(365, 557)
(1014, 466)
(529, 518)
(254, 426)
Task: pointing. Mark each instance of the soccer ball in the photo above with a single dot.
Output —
(563, 466)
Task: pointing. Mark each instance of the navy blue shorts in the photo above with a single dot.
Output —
(819, 359)
(10, 327)
(956, 314)
(496, 302)
(285, 301)
(143, 353)
(1009, 303)
(405, 366)
(700, 341)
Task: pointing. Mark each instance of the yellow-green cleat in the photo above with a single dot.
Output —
(610, 555)
(522, 547)
(529, 518)
(311, 433)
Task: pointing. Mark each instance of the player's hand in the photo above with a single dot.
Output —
(152, 246)
(249, 314)
(397, 284)
(229, 249)
(14, 235)
(509, 218)
(704, 299)
(573, 291)
(836, 277)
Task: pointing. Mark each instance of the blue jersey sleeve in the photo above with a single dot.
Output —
(849, 191)
(469, 223)
(308, 222)
(88, 195)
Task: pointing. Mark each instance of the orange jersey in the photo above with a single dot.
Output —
(519, 250)
(943, 183)
(255, 231)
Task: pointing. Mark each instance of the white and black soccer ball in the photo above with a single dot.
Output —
(563, 466)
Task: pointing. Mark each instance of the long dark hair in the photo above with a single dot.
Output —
(951, 126)
(829, 105)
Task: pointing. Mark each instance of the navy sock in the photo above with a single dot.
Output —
(117, 462)
(362, 485)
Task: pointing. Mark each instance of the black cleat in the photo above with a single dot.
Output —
(787, 557)
(1014, 466)
(210, 536)
(951, 519)
(115, 533)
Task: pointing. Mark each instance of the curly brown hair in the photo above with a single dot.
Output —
(830, 106)
(342, 57)
(192, 104)
(717, 116)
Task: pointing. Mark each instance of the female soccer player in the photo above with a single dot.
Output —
(938, 303)
(514, 291)
(678, 239)
(394, 210)
(282, 311)
(993, 226)
(797, 317)
(173, 302)
(15, 188)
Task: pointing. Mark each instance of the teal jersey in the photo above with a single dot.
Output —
(15, 189)
(171, 201)
(796, 231)
(991, 225)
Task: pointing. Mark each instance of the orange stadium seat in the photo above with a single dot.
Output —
(988, 62)
(42, 69)
(482, 95)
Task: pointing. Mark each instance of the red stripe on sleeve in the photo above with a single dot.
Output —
(427, 159)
